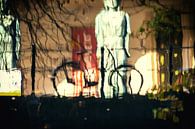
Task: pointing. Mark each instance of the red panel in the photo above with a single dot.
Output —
(84, 52)
(86, 44)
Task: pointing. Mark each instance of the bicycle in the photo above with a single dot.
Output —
(128, 69)
(67, 66)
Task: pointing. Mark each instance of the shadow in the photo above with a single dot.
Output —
(132, 111)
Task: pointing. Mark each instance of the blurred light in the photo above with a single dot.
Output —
(175, 55)
(162, 59)
(162, 77)
(46, 126)
(85, 118)
(149, 72)
(13, 98)
(176, 72)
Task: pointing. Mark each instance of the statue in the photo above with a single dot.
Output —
(11, 79)
(112, 29)
(9, 40)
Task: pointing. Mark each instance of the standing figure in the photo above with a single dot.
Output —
(112, 29)
(9, 39)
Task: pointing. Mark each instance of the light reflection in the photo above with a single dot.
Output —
(107, 109)
(80, 87)
(148, 69)
(144, 64)
(162, 59)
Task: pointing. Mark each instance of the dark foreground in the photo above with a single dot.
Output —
(131, 112)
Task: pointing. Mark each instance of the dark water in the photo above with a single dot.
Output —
(131, 112)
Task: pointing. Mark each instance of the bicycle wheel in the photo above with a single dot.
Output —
(134, 78)
(64, 70)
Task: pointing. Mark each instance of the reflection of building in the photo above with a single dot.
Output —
(9, 38)
(169, 49)
(84, 53)
(9, 52)
(143, 56)
(10, 42)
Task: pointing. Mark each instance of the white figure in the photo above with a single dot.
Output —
(112, 29)
(9, 48)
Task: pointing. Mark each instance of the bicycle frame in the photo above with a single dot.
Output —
(76, 66)
(124, 68)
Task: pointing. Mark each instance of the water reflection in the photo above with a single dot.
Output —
(169, 113)
(172, 100)
(163, 110)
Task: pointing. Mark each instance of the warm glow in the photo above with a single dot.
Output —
(175, 55)
(73, 90)
(135, 81)
(176, 72)
(146, 66)
(162, 77)
(162, 59)
(10, 85)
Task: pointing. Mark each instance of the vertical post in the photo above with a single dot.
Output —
(14, 50)
(102, 70)
(171, 64)
(33, 67)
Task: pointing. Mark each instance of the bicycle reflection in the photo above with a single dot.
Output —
(81, 83)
